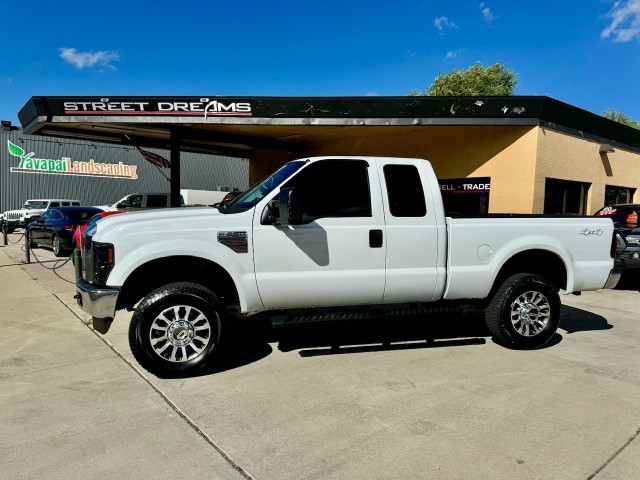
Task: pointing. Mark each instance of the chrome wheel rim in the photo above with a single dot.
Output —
(56, 244)
(180, 333)
(530, 313)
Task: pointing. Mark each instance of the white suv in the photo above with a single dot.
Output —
(33, 208)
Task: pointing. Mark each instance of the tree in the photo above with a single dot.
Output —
(494, 80)
(620, 117)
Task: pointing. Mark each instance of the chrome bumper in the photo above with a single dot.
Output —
(99, 302)
(614, 277)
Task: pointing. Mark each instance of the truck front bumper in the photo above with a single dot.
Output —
(99, 302)
(15, 224)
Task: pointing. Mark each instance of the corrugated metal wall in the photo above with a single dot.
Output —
(201, 172)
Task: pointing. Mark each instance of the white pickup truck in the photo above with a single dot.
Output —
(332, 233)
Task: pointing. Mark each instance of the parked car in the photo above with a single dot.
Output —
(625, 222)
(55, 227)
(227, 199)
(78, 232)
(32, 209)
(135, 201)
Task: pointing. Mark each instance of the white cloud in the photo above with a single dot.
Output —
(82, 60)
(372, 94)
(443, 22)
(7, 81)
(453, 53)
(625, 21)
(486, 13)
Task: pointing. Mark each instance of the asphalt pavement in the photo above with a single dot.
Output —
(423, 397)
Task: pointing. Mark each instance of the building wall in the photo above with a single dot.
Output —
(518, 159)
(201, 172)
(568, 157)
(506, 154)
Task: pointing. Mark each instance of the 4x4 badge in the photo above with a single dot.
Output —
(586, 232)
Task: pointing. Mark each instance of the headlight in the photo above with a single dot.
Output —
(620, 245)
(633, 240)
(103, 261)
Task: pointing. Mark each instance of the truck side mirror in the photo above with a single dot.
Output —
(283, 210)
(289, 211)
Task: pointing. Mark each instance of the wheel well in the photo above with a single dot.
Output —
(162, 271)
(538, 262)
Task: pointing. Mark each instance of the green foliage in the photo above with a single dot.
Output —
(620, 117)
(494, 80)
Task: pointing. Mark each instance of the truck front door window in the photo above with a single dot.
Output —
(132, 201)
(333, 188)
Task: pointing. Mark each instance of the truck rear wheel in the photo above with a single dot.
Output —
(524, 313)
(176, 328)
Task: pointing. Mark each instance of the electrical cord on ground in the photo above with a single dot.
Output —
(5, 234)
(58, 264)
(55, 267)
(17, 241)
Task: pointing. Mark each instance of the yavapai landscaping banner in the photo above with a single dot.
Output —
(65, 166)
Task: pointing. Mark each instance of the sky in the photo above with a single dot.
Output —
(582, 52)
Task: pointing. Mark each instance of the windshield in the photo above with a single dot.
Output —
(261, 189)
(36, 205)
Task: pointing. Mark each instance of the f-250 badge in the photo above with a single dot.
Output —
(586, 232)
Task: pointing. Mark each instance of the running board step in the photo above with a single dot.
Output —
(311, 316)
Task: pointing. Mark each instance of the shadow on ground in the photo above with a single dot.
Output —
(250, 341)
(578, 320)
(246, 342)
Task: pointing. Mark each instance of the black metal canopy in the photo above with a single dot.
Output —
(238, 126)
(243, 126)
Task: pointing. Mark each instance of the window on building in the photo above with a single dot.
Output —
(333, 188)
(404, 191)
(565, 196)
(614, 194)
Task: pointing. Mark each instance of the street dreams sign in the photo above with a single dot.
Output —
(65, 166)
(203, 107)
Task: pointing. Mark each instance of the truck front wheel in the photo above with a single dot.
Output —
(524, 312)
(176, 328)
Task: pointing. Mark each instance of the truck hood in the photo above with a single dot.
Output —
(160, 219)
(29, 211)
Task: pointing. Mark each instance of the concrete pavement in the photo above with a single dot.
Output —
(286, 405)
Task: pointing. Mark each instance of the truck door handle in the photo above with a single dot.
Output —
(375, 238)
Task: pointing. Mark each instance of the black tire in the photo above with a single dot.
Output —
(58, 251)
(176, 328)
(524, 313)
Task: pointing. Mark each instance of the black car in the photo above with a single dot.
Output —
(55, 227)
(627, 228)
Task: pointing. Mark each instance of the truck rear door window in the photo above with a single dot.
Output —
(404, 191)
(155, 201)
